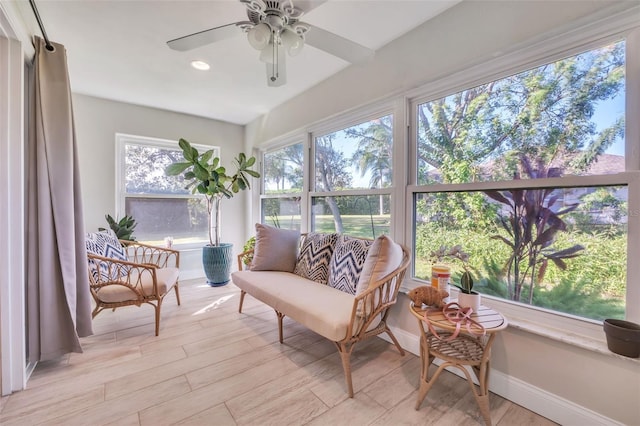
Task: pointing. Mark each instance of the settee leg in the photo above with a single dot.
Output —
(280, 317)
(345, 350)
(395, 341)
(176, 288)
(242, 293)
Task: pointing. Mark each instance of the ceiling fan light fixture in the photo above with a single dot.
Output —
(259, 36)
(269, 54)
(292, 42)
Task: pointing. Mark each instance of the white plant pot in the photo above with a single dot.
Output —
(469, 301)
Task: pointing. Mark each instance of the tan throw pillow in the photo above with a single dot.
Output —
(383, 257)
(275, 250)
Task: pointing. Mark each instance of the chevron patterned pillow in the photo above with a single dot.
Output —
(346, 263)
(315, 255)
(105, 243)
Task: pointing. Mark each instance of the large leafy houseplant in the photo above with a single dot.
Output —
(204, 175)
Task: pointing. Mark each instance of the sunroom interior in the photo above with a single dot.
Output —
(551, 359)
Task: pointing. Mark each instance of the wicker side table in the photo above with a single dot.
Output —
(464, 350)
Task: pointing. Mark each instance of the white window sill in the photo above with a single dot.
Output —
(577, 340)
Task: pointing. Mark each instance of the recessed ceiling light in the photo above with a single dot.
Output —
(200, 65)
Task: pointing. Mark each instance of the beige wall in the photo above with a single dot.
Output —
(98, 120)
(471, 33)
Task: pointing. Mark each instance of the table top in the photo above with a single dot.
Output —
(491, 320)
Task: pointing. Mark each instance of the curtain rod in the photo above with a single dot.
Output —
(48, 44)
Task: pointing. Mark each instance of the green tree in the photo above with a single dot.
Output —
(374, 153)
(331, 174)
(285, 166)
(544, 114)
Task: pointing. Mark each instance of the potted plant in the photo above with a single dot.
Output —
(467, 298)
(123, 228)
(250, 244)
(204, 175)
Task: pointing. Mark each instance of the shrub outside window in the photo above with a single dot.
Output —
(516, 171)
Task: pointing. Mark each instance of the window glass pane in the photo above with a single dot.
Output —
(564, 118)
(281, 212)
(144, 170)
(358, 157)
(562, 249)
(360, 215)
(283, 170)
(185, 219)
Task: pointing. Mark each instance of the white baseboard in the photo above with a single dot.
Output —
(191, 274)
(538, 400)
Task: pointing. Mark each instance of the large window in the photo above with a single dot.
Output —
(353, 179)
(519, 172)
(160, 204)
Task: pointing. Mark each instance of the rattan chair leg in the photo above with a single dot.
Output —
(280, 317)
(242, 293)
(177, 290)
(345, 350)
(157, 308)
(395, 341)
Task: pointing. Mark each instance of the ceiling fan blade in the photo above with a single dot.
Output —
(336, 45)
(205, 37)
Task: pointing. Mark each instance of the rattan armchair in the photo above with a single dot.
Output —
(147, 276)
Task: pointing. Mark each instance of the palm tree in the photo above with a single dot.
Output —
(374, 152)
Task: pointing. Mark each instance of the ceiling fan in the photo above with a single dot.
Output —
(273, 28)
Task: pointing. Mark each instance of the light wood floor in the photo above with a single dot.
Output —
(213, 366)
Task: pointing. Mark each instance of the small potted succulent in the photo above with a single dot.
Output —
(467, 298)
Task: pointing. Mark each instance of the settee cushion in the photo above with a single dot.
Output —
(315, 256)
(275, 250)
(321, 308)
(347, 261)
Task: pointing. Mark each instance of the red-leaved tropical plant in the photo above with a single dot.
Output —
(532, 224)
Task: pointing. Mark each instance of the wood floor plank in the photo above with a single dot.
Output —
(397, 385)
(127, 405)
(359, 410)
(43, 410)
(150, 376)
(218, 415)
(293, 408)
(216, 393)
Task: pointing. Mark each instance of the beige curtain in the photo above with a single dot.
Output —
(58, 306)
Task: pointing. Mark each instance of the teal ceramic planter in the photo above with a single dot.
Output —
(216, 261)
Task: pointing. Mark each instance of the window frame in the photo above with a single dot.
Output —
(303, 194)
(122, 140)
(543, 52)
(350, 120)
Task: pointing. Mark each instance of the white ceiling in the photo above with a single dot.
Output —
(117, 50)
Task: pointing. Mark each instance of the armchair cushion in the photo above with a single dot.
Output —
(105, 243)
(165, 277)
